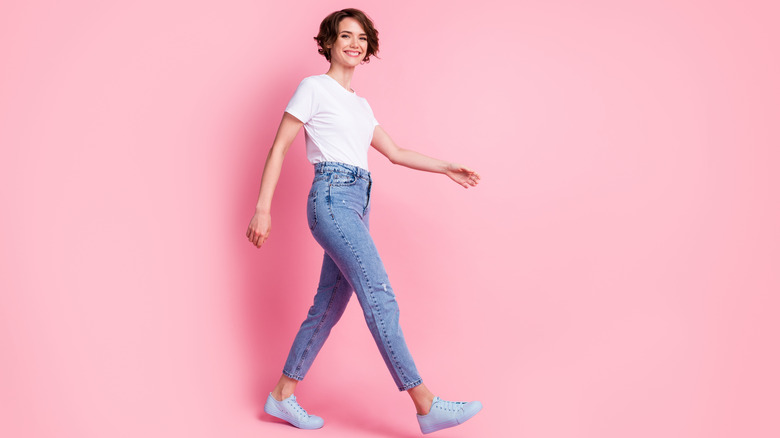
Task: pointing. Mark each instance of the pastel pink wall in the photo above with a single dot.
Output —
(614, 275)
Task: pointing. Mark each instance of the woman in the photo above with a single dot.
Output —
(339, 126)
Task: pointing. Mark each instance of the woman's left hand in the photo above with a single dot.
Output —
(462, 175)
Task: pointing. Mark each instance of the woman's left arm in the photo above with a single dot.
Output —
(415, 160)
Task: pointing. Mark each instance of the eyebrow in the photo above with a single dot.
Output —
(349, 32)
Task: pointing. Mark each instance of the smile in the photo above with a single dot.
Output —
(351, 53)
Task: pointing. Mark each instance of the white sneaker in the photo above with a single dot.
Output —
(290, 411)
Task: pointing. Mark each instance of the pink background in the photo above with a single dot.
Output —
(614, 275)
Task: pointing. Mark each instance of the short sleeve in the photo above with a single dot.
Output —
(301, 105)
(374, 122)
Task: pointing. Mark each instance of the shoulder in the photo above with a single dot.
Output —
(365, 102)
(311, 81)
(311, 85)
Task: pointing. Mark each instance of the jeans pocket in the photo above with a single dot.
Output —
(342, 179)
(311, 209)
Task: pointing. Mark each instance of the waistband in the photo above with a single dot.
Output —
(335, 166)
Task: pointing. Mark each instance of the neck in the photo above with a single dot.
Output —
(343, 75)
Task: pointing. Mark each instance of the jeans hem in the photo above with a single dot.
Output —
(292, 376)
(409, 386)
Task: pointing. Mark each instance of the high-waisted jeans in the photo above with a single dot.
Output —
(338, 207)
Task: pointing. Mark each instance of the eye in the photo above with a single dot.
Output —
(363, 38)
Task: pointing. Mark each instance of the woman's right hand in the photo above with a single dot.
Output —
(259, 228)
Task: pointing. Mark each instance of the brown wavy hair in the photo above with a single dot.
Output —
(329, 31)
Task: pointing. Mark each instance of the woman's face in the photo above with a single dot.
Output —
(351, 43)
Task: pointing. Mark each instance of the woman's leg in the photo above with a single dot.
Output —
(330, 301)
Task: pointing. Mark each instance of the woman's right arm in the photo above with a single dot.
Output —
(260, 225)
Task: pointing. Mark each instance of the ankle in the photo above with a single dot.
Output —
(422, 398)
(281, 394)
(285, 387)
(423, 404)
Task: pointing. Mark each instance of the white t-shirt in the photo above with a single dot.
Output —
(339, 124)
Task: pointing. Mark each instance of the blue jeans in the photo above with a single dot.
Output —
(338, 207)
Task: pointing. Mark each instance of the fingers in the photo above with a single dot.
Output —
(471, 180)
(465, 177)
(256, 239)
(471, 174)
(259, 241)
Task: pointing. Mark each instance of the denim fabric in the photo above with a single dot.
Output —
(338, 207)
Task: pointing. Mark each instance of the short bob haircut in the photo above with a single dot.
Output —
(329, 31)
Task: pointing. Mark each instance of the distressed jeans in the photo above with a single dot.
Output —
(337, 209)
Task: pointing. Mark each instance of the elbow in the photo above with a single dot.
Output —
(396, 157)
(279, 149)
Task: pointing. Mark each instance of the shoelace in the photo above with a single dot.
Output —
(298, 409)
(449, 405)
